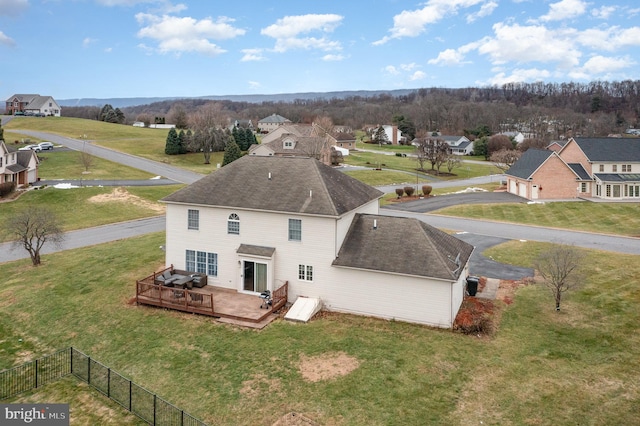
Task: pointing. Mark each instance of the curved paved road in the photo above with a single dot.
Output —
(480, 233)
(171, 172)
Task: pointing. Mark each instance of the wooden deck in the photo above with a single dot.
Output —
(210, 300)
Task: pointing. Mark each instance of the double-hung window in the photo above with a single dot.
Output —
(233, 224)
(305, 272)
(193, 221)
(295, 230)
(202, 262)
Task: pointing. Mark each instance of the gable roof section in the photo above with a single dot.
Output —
(279, 184)
(529, 162)
(275, 118)
(402, 246)
(610, 149)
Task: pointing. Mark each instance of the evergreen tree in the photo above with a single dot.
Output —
(380, 136)
(1, 133)
(120, 115)
(172, 147)
(251, 138)
(181, 142)
(104, 111)
(231, 152)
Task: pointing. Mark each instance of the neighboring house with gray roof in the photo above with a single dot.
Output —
(272, 122)
(262, 221)
(289, 145)
(460, 145)
(17, 166)
(604, 168)
(32, 104)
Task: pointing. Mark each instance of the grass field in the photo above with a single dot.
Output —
(92, 206)
(610, 218)
(143, 142)
(576, 366)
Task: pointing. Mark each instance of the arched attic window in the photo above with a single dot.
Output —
(233, 224)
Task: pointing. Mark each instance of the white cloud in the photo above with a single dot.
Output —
(6, 40)
(88, 41)
(177, 35)
(254, 84)
(390, 69)
(287, 32)
(448, 57)
(408, 67)
(485, 10)
(525, 44)
(418, 75)
(252, 55)
(601, 64)
(604, 12)
(333, 57)
(411, 23)
(518, 76)
(108, 50)
(564, 9)
(13, 7)
(609, 39)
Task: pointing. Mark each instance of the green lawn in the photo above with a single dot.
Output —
(143, 142)
(610, 218)
(576, 366)
(87, 209)
(67, 165)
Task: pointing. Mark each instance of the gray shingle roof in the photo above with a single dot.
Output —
(615, 177)
(580, 171)
(275, 118)
(256, 250)
(296, 185)
(529, 162)
(610, 149)
(403, 246)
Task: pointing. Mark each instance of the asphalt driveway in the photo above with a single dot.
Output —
(441, 201)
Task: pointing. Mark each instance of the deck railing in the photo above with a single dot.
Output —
(279, 297)
(174, 298)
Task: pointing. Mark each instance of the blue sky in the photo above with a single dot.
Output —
(148, 48)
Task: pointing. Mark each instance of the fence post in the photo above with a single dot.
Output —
(130, 395)
(71, 358)
(154, 409)
(89, 370)
(36, 373)
(109, 382)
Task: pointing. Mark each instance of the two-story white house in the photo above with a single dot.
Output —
(16, 166)
(272, 122)
(262, 221)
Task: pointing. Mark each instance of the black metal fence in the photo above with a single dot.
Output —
(138, 400)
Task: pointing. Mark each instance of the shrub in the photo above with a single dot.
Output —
(7, 188)
(398, 154)
(409, 190)
(475, 317)
(426, 190)
(399, 192)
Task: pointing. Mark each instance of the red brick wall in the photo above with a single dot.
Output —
(556, 179)
(573, 154)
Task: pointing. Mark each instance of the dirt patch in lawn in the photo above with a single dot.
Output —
(327, 366)
(121, 195)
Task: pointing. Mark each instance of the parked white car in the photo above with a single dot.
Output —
(35, 148)
(45, 145)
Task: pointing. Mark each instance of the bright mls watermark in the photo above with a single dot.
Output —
(34, 414)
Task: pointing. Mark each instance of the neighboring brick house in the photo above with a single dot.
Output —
(604, 168)
(318, 230)
(272, 122)
(17, 166)
(32, 104)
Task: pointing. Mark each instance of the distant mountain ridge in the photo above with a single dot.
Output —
(283, 97)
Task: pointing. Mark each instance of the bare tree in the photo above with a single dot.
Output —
(433, 150)
(32, 228)
(560, 268)
(207, 123)
(504, 158)
(86, 159)
(452, 161)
